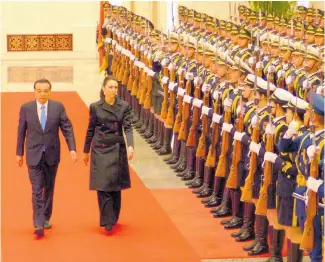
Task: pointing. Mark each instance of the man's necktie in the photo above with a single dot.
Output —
(43, 118)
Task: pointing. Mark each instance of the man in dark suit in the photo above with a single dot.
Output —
(39, 123)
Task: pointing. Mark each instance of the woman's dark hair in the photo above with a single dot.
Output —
(106, 79)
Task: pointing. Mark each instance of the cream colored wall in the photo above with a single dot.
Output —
(78, 18)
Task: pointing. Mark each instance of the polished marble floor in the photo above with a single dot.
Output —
(83, 77)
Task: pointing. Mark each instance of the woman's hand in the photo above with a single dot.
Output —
(130, 153)
(86, 158)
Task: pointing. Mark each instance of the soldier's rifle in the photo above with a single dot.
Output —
(191, 139)
(232, 181)
(164, 108)
(221, 170)
(261, 206)
(248, 187)
(186, 105)
(307, 240)
(180, 96)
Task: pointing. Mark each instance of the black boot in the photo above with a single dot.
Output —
(176, 151)
(182, 155)
(166, 148)
(149, 132)
(135, 110)
(160, 140)
(199, 173)
(276, 241)
(199, 178)
(247, 231)
(191, 163)
(236, 221)
(154, 138)
(182, 166)
(146, 121)
(224, 209)
(261, 246)
(139, 124)
(173, 151)
(206, 189)
(215, 199)
(294, 252)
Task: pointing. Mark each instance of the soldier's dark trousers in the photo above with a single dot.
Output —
(109, 204)
(42, 178)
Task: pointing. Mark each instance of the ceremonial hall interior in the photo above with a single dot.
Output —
(169, 58)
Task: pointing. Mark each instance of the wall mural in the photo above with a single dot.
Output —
(27, 43)
(28, 74)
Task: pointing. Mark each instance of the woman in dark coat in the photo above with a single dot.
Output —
(109, 171)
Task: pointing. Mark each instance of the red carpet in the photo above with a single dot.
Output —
(205, 234)
(145, 232)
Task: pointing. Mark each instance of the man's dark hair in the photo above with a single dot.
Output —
(106, 79)
(41, 81)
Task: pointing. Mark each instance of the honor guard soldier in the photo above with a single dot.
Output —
(304, 146)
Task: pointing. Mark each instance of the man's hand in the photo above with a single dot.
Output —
(86, 158)
(20, 160)
(73, 155)
(130, 153)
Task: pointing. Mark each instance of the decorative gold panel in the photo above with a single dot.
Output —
(27, 43)
(28, 74)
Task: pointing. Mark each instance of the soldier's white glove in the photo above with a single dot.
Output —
(206, 87)
(227, 102)
(197, 102)
(151, 73)
(165, 80)
(254, 147)
(181, 91)
(240, 109)
(270, 129)
(320, 90)
(281, 73)
(239, 136)
(259, 65)
(292, 129)
(197, 81)
(180, 70)
(164, 62)
(227, 127)
(206, 110)
(215, 94)
(172, 85)
(254, 121)
(306, 84)
(252, 60)
(108, 40)
(189, 76)
(313, 184)
(171, 66)
(271, 69)
(311, 151)
(289, 80)
(216, 118)
(270, 156)
(257, 48)
(187, 99)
